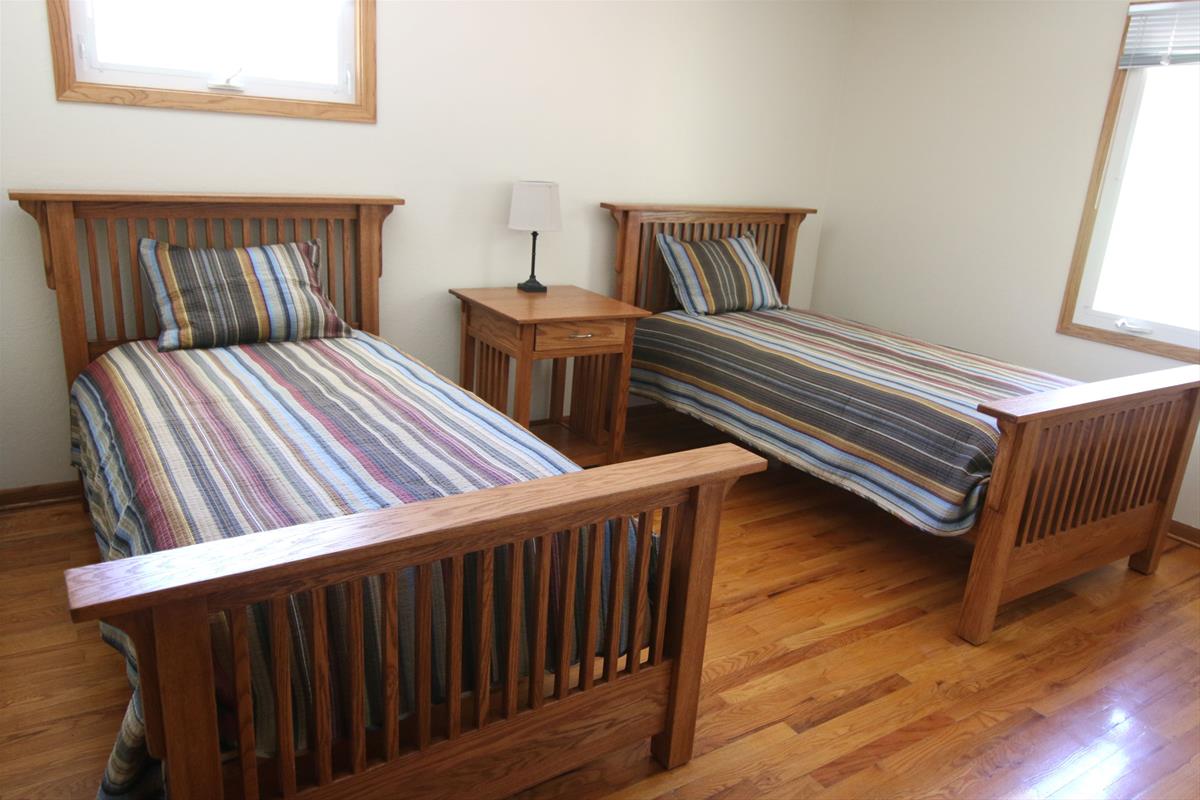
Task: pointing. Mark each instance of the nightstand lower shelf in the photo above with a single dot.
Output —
(505, 331)
(574, 446)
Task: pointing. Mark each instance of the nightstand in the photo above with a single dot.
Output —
(564, 324)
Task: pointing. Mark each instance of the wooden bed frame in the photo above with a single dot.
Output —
(1084, 475)
(476, 742)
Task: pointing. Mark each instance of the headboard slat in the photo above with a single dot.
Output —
(135, 278)
(102, 229)
(114, 270)
(642, 276)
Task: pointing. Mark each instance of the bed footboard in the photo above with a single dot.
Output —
(1085, 475)
(536, 723)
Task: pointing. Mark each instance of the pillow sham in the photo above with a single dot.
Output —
(239, 295)
(714, 276)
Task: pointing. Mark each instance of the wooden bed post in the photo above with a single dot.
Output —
(64, 266)
(997, 532)
(627, 254)
(690, 595)
(370, 264)
(792, 228)
(184, 653)
(1146, 561)
(139, 627)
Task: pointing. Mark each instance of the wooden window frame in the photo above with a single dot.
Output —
(1066, 317)
(69, 87)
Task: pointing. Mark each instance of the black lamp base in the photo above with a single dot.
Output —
(531, 285)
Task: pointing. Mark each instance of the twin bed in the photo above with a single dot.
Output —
(434, 599)
(1050, 478)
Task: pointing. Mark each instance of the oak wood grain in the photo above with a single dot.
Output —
(1086, 397)
(291, 559)
(556, 304)
(642, 274)
(69, 87)
(74, 258)
(817, 647)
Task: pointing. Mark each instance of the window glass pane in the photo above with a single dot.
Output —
(1151, 266)
(289, 40)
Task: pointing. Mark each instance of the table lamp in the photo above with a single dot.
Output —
(534, 208)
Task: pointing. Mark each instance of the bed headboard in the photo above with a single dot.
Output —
(89, 250)
(641, 273)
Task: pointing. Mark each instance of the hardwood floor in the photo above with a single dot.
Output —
(832, 669)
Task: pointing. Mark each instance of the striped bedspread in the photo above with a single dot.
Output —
(196, 445)
(890, 418)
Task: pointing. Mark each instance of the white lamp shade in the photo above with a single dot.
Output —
(534, 207)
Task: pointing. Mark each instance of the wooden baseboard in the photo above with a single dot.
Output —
(42, 493)
(1184, 533)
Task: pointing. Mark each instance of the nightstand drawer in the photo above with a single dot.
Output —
(554, 336)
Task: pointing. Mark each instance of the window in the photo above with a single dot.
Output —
(305, 58)
(1135, 280)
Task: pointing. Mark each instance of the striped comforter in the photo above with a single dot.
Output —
(195, 445)
(890, 418)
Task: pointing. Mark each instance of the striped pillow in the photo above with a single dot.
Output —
(214, 298)
(718, 275)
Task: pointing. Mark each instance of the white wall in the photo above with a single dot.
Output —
(637, 102)
(962, 158)
(962, 136)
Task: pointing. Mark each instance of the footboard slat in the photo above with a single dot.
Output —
(350, 622)
(1063, 484)
(566, 623)
(424, 656)
(247, 752)
(357, 683)
(641, 575)
(1108, 463)
(1156, 428)
(322, 706)
(591, 612)
(1133, 457)
(1099, 428)
(616, 596)
(1176, 414)
(391, 666)
(281, 665)
(1075, 472)
(512, 648)
(541, 619)
(483, 644)
(666, 544)
(452, 577)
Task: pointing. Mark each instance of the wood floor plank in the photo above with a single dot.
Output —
(831, 670)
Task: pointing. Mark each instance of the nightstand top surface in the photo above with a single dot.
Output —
(557, 304)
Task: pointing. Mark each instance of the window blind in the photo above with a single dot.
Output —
(1161, 34)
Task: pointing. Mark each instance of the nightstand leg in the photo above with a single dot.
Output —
(620, 399)
(466, 358)
(523, 394)
(558, 389)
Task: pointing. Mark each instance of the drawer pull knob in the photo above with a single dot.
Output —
(580, 336)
